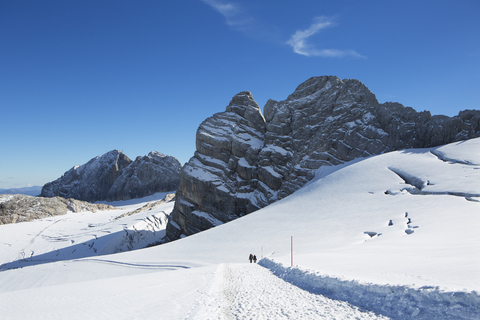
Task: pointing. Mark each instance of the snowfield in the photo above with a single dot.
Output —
(394, 236)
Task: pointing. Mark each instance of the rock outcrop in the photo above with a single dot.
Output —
(91, 181)
(146, 175)
(22, 208)
(113, 176)
(245, 160)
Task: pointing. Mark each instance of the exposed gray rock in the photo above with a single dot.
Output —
(21, 208)
(113, 176)
(91, 181)
(145, 176)
(218, 184)
(245, 161)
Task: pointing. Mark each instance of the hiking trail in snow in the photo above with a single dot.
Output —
(249, 291)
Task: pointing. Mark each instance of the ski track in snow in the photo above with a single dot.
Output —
(249, 291)
(21, 253)
(137, 265)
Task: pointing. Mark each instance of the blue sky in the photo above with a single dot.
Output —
(81, 78)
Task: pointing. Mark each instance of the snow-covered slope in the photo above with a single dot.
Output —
(395, 233)
(135, 224)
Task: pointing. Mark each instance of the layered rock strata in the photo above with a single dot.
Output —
(245, 160)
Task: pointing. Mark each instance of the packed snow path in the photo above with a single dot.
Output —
(249, 291)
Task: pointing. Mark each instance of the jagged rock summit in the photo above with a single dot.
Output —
(245, 160)
(146, 175)
(91, 181)
(113, 176)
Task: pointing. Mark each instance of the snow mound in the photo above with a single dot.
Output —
(396, 302)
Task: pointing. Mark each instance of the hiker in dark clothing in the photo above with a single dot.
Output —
(250, 258)
(254, 258)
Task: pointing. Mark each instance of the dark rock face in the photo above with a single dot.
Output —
(220, 181)
(91, 181)
(245, 161)
(145, 176)
(113, 176)
(22, 208)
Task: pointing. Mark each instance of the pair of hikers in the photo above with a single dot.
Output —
(252, 257)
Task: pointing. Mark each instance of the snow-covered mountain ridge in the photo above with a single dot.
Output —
(246, 160)
(350, 242)
(113, 176)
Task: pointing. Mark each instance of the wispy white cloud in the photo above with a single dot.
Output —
(242, 20)
(237, 18)
(299, 43)
(234, 15)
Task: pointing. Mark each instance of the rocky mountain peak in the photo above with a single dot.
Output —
(91, 181)
(245, 161)
(146, 175)
(106, 176)
(156, 154)
(243, 99)
(314, 85)
(245, 106)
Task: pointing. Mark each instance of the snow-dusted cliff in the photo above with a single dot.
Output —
(146, 175)
(114, 176)
(91, 181)
(245, 160)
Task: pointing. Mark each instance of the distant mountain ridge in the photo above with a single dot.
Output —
(114, 176)
(30, 191)
(245, 160)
